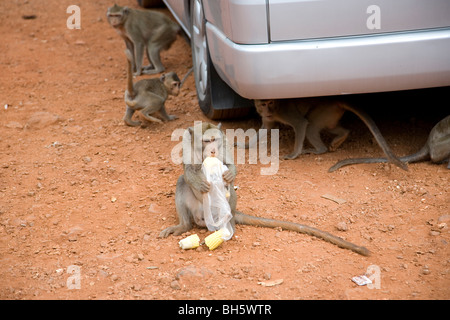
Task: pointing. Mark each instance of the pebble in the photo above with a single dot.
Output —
(342, 226)
(175, 285)
(14, 125)
(425, 270)
(40, 120)
(87, 159)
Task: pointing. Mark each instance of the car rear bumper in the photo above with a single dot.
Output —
(333, 66)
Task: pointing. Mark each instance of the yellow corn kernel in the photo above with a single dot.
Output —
(191, 242)
(214, 240)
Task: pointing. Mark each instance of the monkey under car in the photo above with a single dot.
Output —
(274, 49)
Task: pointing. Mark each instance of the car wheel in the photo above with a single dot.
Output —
(216, 99)
(150, 3)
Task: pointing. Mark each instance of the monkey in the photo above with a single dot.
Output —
(436, 148)
(308, 117)
(192, 184)
(144, 29)
(149, 95)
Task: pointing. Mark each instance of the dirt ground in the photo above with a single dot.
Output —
(83, 197)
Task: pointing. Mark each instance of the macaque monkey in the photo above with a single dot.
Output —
(437, 148)
(144, 29)
(308, 117)
(149, 95)
(192, 184)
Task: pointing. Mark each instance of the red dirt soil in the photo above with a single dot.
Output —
(80, 188)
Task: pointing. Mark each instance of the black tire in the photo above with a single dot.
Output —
(150, 3)
(216, 99)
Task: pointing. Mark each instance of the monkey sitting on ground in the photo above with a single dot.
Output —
(308, 117)
(144, 29)
(149, 95)
(192, 184)
(437, 148)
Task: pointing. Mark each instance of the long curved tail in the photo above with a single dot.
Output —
(377, 134)
(422, 154)
(245, 219)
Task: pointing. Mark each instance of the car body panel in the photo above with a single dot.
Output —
(261, 60)
(180, 10)
(312, 19)
(333, 66)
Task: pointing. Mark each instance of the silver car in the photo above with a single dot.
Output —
(273, 49)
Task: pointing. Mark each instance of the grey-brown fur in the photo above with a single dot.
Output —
(149, 96)
(437, 149)
(192, 184)
(144, 30)
(308, 117)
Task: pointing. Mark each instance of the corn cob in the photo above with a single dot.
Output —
(214, 239)
(191, 242)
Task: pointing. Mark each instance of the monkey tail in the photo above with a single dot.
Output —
(130, 88)
(185, 77)
(245, 219)
(377, 134)
(420, 155)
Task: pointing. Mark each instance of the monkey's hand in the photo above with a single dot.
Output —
(195, 178)
(201, 185)
(204, 186)
(228, 176)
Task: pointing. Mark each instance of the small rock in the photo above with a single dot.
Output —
(175, 285)
(153, 208)
(140, 256)
(14, 125)
(271, 283)
(40, 120)
(342, 226)
(87, 159)
(425, 270)
(74, 233)
(136, 287)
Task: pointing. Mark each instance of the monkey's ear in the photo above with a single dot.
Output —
(126, 9)
(163, 77)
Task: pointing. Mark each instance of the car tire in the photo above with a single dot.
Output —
(216, 99)
(150, 3)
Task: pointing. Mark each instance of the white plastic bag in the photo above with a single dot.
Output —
(217, 211)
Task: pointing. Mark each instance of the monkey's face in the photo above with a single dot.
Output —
(205, 140)
(175, 88)
(265, 108)
(116, 15)
(171, 82)
(211, 144)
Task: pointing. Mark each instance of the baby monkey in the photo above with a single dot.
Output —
(149, 95)
(437, 148)
(308, 117)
